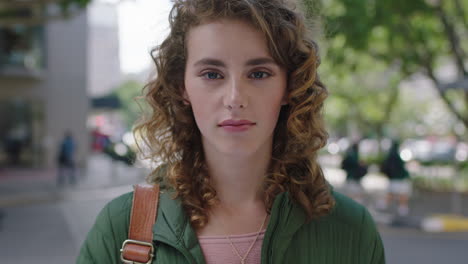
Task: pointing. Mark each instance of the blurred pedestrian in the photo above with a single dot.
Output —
(14, 144)
(2, 215)
(355, 170)
(13, 148)
(400, 187)
(237, 123)
(66, 160)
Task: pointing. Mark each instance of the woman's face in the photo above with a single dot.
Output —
(234, 87)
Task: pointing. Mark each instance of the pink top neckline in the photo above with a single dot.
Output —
(237, 238)
(218, 249)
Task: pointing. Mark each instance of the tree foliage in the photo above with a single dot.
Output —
(363, 93)
(128, 93)
(417, 36)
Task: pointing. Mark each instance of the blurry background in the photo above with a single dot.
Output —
(395, 70)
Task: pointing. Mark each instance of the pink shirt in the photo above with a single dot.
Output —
(217, 249)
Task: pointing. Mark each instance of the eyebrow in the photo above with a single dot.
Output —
(219, 63)
(260, 61)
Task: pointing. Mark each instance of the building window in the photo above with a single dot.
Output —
(21, 49)
(21, 133)
(21, 39)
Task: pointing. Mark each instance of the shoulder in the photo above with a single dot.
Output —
(348, 218)
(347, 215)
(355, 222)
(347, 235)
(110, 229)
(349, 212)
(116, 211)
(113, 220)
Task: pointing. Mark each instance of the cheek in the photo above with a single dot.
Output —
(200, 108)
(199, 112)
(271, 110)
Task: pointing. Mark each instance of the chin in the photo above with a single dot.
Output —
(238, 149)
(235, 147)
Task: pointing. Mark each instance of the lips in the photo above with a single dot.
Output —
(235, 123)
(236, 126)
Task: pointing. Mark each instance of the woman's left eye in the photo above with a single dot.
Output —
(259, 75)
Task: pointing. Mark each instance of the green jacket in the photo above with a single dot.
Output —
(347, 235)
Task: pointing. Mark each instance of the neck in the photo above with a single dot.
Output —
(239, 180)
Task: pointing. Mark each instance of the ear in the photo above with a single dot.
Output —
(185, 96)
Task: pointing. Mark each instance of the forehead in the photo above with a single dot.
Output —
(226, 38)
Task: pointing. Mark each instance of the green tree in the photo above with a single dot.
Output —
(363, 93)
(129, 93)
(364, 90)
(419, 36)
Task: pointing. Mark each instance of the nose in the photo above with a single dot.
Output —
(235, 97)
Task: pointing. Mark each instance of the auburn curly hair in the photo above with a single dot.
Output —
(171, 136)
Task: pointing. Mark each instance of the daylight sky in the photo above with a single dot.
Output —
(142, 25)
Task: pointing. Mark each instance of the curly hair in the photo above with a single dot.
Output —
(171, 136)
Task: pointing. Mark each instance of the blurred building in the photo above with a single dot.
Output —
(103, 49)
(104, 70)
(47, 74)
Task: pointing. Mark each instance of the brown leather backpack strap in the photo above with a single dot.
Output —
(138, 248)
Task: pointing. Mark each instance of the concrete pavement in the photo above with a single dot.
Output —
(423, 204)
(412, 246)
(23, 187)
(27, 186)
(51, 233)
(44, 224)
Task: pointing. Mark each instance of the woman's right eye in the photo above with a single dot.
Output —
(212, 75)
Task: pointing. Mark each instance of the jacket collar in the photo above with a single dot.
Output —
(173, 226)
(286, 219)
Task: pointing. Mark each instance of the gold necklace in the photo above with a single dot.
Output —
(234, 249)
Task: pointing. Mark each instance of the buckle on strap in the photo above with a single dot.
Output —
(136, 242)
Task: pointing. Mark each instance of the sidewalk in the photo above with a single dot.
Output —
(22, 187)
(26, 186)
(423, 204)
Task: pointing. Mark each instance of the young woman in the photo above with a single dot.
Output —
(236, 121)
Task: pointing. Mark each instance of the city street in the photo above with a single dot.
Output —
(52, 233)
(405, 246)
(46, 225)
(370, 95)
